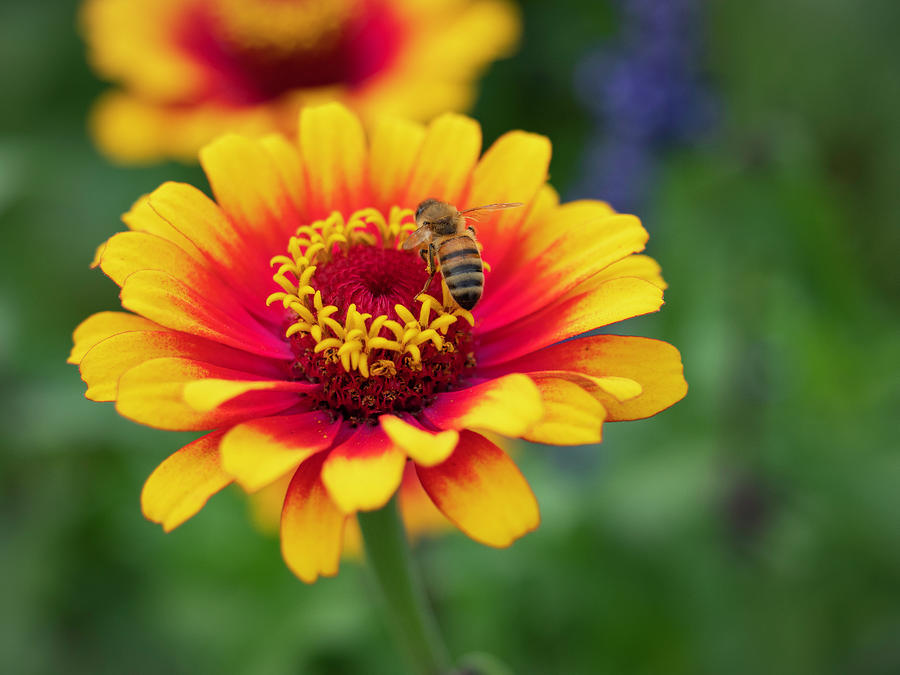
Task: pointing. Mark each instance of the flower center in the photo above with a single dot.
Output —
(373, 278)
(256, 51)
(356, 324)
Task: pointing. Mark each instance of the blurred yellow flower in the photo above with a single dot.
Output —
(189, 70)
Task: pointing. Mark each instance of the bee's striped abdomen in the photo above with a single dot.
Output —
(461, 266)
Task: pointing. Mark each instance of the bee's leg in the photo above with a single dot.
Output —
(432, 268)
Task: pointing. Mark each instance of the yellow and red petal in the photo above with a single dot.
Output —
(655, 365)
(210, 393)
(259, 452)
(285, 159)
(363, 472)
(480, 489)
(572, 416)
(587, 241)
(447, 156)
(174, 304)
(591, 240)
(102, 325)
(312, 526)
(226, 289)
(421, 445)
(542, 208)
(612, 301)
(508, 405)
(639, 266)
(142, 217)
(393, 151)
(545, 226)
(152, 393)
(105, 363)
(218, 244)
(332, 141)
(246, 180)
(128, 252)
(513, 169)
(180, 486)
(530, 226)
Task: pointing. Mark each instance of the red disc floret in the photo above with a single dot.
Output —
(375, 279)
(400, 386)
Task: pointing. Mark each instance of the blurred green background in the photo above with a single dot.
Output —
(753, 528)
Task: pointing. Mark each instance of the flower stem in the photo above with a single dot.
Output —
(387, 553)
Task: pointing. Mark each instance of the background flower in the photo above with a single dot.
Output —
(189, 70)
(333, 369)
(645, 89)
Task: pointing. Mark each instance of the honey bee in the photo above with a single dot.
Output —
(442, 232)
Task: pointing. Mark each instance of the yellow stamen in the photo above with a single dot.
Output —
(405, 315)
(355, 342)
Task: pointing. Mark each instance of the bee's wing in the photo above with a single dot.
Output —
(493, 207)
(417, 237)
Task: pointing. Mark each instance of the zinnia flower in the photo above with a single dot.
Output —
(284, 318)
(189, 70)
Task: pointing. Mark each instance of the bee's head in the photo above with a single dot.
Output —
(432, 211)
